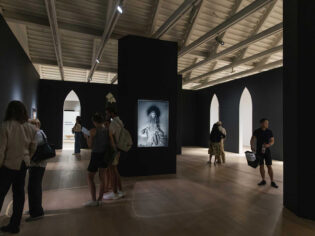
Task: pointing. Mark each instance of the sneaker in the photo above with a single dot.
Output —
(273, 184)
(261, 183)
(121, 194)
(30, 218)
(115, 196)
(10, 229)
(91, 204)
(108, 196)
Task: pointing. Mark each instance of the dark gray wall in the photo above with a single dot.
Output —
(299, 51)
(18, 77)
(52, 95)
(147, 69)
(266, 92)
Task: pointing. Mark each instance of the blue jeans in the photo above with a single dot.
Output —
(77, 142)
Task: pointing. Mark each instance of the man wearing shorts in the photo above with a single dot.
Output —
(263, 137)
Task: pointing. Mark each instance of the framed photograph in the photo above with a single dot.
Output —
(153, 123)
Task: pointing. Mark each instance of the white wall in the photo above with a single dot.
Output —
(72, 109)
(246, 120)
(214, 111)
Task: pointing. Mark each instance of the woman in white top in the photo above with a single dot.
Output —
(36, 174)
(17, 146)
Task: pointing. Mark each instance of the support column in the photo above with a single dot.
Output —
(298, 91)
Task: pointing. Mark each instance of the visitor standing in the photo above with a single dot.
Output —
(215, 143)
(115, 129)
(17, 146)
(264, 139)
(223, 131)
(98, 141)
(36, 174)
(77, 130)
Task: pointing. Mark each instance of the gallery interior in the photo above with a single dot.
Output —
(183, 65)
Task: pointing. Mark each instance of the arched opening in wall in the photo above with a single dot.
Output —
(245, 121)
(214, 111)
(71, 109)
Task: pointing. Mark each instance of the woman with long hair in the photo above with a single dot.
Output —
(17, 146)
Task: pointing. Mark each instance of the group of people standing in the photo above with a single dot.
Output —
(261, 141)
(102, 140)
(216, 147)
(19, 138)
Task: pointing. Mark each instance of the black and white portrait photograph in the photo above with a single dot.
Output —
(153, 123)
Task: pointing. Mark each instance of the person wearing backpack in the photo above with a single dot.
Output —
(17, 146)
(115, 129)
(36, 174)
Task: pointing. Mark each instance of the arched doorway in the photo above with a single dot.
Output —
(71, 109)
(214, 111)
(245, 121)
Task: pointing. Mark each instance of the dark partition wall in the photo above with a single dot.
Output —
(147, 69)
(18, 77)
(266, 93)
(52, 95)
(299, 161)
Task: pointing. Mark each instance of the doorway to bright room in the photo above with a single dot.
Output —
(245, 121)
(214, 111)
(71, 110)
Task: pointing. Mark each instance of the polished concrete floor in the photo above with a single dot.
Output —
(198, 200)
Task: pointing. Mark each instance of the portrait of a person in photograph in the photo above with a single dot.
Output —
(152, 123)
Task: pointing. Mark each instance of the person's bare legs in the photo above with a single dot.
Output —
(114, 181)
(102, 183)
(210, 158)
(118, 179)
(108, 180)
(218, 159)
(262, 171)
(270, 172)
(92, 185)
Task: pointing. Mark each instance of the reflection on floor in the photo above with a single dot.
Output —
(198, 200)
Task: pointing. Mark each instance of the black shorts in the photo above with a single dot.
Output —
(265, 158)
(97, 161)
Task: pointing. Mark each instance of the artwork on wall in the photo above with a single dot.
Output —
(153, 119)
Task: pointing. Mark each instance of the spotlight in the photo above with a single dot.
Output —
(97, 61)
(220, 41)
(119, 9)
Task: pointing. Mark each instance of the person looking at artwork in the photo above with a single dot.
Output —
(215, 144)
(17, 146)
(153, 133)
(264, 139)
(115, 128)
(36, 174)
(77, 129)
(223, 131)
(98, 141)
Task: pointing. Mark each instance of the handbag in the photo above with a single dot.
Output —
(44, 151)
(252, 159)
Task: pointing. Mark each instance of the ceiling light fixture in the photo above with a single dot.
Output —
(220, 41)
(119, 9)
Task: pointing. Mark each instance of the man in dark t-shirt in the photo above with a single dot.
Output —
(263, 137)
